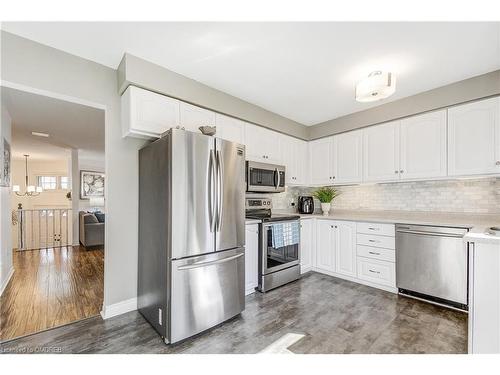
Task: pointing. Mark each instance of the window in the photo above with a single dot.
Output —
(63, 182)
(47, 182)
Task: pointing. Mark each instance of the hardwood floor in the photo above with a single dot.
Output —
(51, 288)
(334, 315)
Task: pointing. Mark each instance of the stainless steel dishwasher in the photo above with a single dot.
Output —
(432, 264)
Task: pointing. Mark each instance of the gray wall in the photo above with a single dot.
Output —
(463, 91)
(37, 66)
(142, 73)
(5, 219)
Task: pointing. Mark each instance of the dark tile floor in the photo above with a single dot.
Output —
(336, 316)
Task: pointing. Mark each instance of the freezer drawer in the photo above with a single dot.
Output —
(206, 290)
(432, 261)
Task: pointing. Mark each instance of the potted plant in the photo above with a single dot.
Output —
(325, 195)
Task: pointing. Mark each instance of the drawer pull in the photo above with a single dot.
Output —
(371, 252)
(373, 241)
(371, 228)
(372, 271)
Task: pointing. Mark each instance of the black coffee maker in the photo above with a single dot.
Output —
(306, 205)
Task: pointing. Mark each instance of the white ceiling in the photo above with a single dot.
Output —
(70, 126)
(303, 71)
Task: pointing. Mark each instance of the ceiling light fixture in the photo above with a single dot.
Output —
(38, 134)
(378, 85)
(31, 190)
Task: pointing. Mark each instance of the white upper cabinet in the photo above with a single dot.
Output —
(347, 157)
(474, 138)
(192, 117)
(295, 158)
(346, 247)
(321, 161)
(230, 129)
(423, 146)
(381, 152)
(325, 245)
(306, 244)
(262, 145)
(146, 114)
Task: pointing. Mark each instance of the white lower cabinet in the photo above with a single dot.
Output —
(484, 298)
(251, 258)
(346, 248)
(306, 244)
(325, 245)
(336, 246)
(343, 250)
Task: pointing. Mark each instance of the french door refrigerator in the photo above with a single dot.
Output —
(191, 265)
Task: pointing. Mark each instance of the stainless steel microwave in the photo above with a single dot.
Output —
(265, 178)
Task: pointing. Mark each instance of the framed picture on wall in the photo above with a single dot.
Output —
(4, 163)
(91, 184)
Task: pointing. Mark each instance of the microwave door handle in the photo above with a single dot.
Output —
(276, 178)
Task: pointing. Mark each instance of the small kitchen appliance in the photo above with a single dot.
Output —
(306, 205)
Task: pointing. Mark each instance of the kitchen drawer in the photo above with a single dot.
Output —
(376, 271)
(376, 253)
(376, 228)
(376, 241)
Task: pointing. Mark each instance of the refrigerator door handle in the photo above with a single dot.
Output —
(211, 191)
(220, 190)
(209, 263)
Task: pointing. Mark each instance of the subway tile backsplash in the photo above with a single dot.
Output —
(468, 195)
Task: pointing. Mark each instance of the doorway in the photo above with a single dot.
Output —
(53, 262)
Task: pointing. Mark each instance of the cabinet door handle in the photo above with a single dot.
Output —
(498, 162)
(396, 172)
(401, 171)
(371, 252)
(372, 271)
(372, 228)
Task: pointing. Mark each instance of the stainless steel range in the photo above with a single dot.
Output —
(279, 244)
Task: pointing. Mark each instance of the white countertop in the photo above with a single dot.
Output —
(476, 223)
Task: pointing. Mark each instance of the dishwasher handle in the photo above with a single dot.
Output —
(428, 233)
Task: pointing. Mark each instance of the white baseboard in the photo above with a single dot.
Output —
(6, 281)
(387, 288)
(119, 308)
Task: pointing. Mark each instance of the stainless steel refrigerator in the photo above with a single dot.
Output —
(191, 271)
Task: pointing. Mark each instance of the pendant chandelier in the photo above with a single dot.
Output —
(31, 190)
